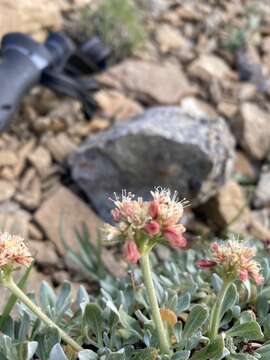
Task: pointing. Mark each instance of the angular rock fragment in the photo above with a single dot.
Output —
(253, 130)
(165, 83)
(161, 147)
(228, 208)
(262, 192)
(69, 209)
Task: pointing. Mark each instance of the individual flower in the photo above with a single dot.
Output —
(174, 235)
(145, 223)
(152, 228)
(131, 252)
(13, 251)
(234, 259)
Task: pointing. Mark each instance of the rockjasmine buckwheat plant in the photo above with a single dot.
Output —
(231, 260)
(209, 302)
(141, 225)
(13, 254)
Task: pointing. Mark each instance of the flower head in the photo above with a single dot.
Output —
(13, 251)
(234, 260)
(146, 223)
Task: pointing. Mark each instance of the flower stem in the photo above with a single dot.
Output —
(10, 284)
(215, 316)
(148, 281)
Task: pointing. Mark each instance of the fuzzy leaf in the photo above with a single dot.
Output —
(230, 299)
(93, 320)
(181, 355)
(262, 307)
(87, 355)
(195, 320)
(250, 330)
(31, 349)
(57, 353)
(212, 350)
(264, 352)
(183, 303)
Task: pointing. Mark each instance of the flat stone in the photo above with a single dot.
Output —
(253, 130)
(30, 197)
(64, 206)
(260, 225)
(44, 253)
(227, 109)
(116, 105)
(41, 160)
(165, 83)
(196, 107)
(228, 208)
(262, 192)
(29, 16)
(169, 38)
(8, 158)
(15, 221)
(244, 167)
(208, 66)
(60, 146)
(162, 147)
(7, 190)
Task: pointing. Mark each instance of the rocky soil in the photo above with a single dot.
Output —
(193, 59)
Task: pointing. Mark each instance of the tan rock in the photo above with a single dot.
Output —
(34, 232)
(29, 16)
(253, 129)
(266, 44)
(41, 160)
(208, 66)
(7, 190)
(98, 124)
(30, 197)
(44, 253)
(243, 166)
(228, 208)
(66, 207)
(196, 107)
(169, 38)
(116, 105)
(23, 152)
(166, 83)
(15, 222)
(262, 192)
(227, 109)
(8, 158)
(246, 91)
(260, 224)
(60, 146)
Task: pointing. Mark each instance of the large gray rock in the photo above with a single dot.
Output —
(163, 146)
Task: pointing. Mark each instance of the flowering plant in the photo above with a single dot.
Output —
(197, 305)
(232, 260)
(143, 224)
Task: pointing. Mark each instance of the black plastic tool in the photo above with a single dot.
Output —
(57, 64)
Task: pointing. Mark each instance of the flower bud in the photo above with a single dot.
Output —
(152, 228)
(131, 252)
(206, 264)
(174, 235)
(153, 209)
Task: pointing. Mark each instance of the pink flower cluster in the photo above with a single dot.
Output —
(13, 251)
(235, 259)
(157, 219)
